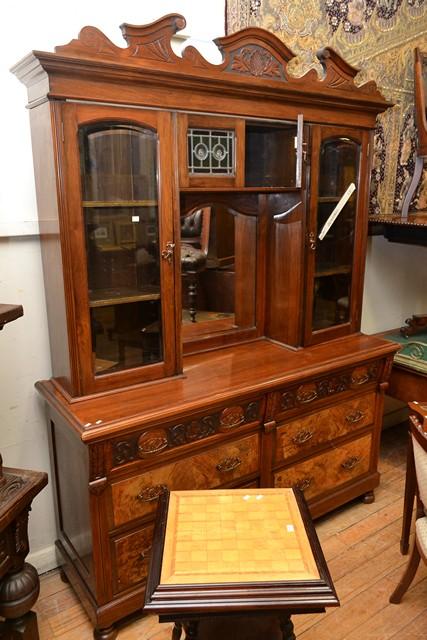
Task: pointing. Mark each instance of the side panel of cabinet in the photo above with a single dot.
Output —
(336, 246)
(45, 142)
(116, 242)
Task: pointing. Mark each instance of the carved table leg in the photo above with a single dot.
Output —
(177, 631)
(192, 295)
(24, 628)
(287, 628)
(19, 590)
(369, 497)
(107, 633)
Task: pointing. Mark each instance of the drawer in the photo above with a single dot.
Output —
(328, 470)
(152, 443)
(299, 436)
(131, 558)
(137, 497)
(316, 392)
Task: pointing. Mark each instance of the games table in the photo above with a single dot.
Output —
(236, 563)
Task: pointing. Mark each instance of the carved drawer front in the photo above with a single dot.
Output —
(299, 436)
(309, 393)
(137, 497)
(150, 443)
(328, 470)
(131, 558)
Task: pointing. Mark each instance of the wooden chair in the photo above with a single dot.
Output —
(194, 251)
(415, 486)
(420, 101)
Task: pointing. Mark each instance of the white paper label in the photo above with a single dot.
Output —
(335, 213)
(135, 218)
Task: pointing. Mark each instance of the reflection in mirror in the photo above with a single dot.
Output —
(218, 277)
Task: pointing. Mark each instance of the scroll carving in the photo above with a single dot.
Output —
(252, 52)
(152, 442)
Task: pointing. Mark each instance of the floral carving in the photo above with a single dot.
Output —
(232, 417)
(257, 62)
(12, 485)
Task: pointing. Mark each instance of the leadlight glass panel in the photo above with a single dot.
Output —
(211, 151)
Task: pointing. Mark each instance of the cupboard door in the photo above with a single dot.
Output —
(119, 207)
(336, 228)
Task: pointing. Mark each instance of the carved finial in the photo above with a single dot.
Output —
(153, 41)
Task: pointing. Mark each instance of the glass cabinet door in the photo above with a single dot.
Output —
(124, 239)
(333, 263)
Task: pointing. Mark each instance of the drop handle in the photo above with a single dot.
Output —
(304, 483)
(302, 436)
(228, 464)
(149, 494)
(167, 253)
(355, 416)
(350, 463)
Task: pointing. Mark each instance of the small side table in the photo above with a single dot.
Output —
(236, 563)
(19, 582)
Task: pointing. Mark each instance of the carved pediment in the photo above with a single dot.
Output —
(339, 74)
(256, 53)
(146, 42)
(252, 54)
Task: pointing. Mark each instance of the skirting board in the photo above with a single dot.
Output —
(44, 559)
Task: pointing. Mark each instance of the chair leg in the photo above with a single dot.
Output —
(408, 576)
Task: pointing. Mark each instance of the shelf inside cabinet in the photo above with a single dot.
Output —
(240, 189)
(332, 271)
(108, 297)
(331, 199)
(108, 204)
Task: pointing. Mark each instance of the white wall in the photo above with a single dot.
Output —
(24, 344)
(395, 282)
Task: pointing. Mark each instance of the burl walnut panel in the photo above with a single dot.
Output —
(328, 470)
(131, 558)
(300, 436)
(137, 497)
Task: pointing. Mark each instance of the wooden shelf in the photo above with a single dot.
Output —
(331, 199)
(109, 204)
(332, 271)
(109, 297)
(240, 189)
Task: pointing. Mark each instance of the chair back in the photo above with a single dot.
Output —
(418, 429)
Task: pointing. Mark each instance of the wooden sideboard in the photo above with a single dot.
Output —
(230, 356)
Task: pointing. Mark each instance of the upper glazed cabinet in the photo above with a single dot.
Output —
(186, 206)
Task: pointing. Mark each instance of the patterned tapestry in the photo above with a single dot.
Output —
(376, 36)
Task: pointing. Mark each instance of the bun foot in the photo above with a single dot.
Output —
(108, 633)
(369, 497)
(63, 576)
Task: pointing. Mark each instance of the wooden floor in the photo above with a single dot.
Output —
(361, 545)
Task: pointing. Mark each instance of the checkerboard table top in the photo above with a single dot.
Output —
(236, 535)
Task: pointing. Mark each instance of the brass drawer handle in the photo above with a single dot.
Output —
(144, 555)
(304, 483)
(229, 464)
(355, 416)
(149, 494)
(302, 436)
(350, 463)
